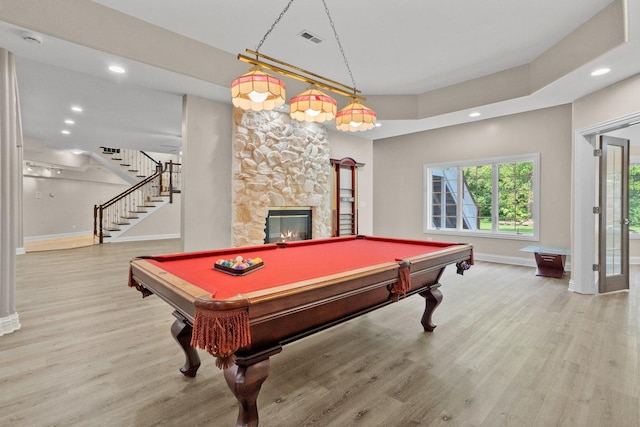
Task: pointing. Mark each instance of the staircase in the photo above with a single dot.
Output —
(153, 187)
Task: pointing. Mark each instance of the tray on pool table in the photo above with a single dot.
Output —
(238, 272)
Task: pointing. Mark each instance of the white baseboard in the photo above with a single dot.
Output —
(9, 324)
(20, 251)
(57, 236)
(143, 238)
(525, 262)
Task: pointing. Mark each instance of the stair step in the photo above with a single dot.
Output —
(122, 223)
(130, 217)
(125, 164)
(141, 176)
(137, 211)
(148, 205)
(133, 170)
(116, 158)
(112, 229)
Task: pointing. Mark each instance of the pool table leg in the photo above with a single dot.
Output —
(432, 297)
(245, 383)
(182, 331)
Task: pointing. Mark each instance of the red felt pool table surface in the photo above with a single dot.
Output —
(297, 262)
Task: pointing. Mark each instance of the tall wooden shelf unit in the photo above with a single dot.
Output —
(344, 204)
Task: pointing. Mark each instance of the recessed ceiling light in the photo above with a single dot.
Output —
(116, 69)
(600, 71)
(66, 132)
(475, 114)
(69, 121)
(76, 108)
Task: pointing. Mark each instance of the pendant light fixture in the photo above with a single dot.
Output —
(313, 105)
(355, 117)
(257, 90)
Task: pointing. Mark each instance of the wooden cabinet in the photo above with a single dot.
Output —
(344, 200)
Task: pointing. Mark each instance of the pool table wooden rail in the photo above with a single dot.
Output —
(320, 302)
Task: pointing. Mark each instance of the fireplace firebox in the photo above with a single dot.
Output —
(288, 224)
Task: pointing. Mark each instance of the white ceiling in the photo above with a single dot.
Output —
(407, 47)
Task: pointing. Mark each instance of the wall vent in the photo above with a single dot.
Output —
(311, 37)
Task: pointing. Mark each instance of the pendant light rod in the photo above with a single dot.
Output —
(352, 90)
(310, 78)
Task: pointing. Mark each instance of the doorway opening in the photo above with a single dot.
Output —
(585, 245)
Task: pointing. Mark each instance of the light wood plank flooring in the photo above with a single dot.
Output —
(511, 349)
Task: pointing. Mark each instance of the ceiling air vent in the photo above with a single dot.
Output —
(311, 37)
(31, 37)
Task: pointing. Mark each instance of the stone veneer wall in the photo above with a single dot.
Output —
(278, 162)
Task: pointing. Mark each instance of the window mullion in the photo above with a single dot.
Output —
(443, 203)
(494, 198)
(459, 199)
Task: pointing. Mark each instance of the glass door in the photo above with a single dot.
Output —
(614, 215)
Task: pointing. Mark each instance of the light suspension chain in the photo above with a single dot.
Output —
(335, 33)
(286, 8)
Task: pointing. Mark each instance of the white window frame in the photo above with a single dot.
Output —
(459, 230)
(634, 160)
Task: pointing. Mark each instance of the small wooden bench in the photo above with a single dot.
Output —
(550, 260)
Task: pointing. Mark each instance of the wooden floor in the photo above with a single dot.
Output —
(511, 349)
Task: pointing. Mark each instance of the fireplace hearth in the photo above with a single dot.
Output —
(288, 224)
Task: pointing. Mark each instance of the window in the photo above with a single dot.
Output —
(634, 199)
(492, 197)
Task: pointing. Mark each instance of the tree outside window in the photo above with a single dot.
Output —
(634, 199)
(515, 197)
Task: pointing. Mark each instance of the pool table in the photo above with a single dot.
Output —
(299, 288)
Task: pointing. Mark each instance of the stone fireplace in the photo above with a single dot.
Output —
(278, 162)
(288, 224)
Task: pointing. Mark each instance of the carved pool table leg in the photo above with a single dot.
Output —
(182, 331)
(432, 297)
(245, 383)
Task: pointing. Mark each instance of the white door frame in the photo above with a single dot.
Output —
(585, 192)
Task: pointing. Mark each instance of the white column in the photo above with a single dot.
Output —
(206, 174)
(10, 190)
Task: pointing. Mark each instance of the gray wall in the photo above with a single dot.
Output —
(398, 180)
(60, 206)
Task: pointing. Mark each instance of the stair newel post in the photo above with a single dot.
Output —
(170, 181)
(159, 171)
(100, 212)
